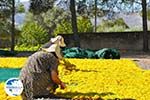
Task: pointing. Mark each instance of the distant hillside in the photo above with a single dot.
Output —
(132, 19)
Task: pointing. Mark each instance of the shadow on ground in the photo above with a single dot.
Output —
(86, 96)
(7, 53)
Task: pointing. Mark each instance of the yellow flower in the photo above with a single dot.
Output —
(12, 62)
(95, 79)
(4, 96)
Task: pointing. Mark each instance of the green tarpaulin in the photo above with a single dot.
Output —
(6, 73)
(105, 53)
(7, 53)
(76, 52)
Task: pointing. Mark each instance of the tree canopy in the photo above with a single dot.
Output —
(39, 6)
(5, 13)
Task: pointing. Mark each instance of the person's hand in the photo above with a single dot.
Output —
(62, 85)
(70, 66)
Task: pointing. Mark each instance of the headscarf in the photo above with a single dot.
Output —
(56, 43)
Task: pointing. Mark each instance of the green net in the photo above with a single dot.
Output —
(6, 73)
(105, 53)
(7, 53)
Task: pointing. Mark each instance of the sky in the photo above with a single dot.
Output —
(23, 0)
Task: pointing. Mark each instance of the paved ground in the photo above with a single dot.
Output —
(144, 63)
(141, 58)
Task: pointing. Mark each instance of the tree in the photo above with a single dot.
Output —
(7, 9)
(48, 14)
(20, 8)
(5, 13)
(108, 6)
(95, 16)
(40, 6)
(33, 34)
(50, 19)
(74, 23)
(83, 23)
(13, 26)
(145, 35)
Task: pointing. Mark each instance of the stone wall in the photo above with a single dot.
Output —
(122, 41)
(95, 41)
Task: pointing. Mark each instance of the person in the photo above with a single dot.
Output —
(40, 73)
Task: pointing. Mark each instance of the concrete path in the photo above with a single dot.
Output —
(141, 58)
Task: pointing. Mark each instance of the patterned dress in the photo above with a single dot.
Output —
(36, 76)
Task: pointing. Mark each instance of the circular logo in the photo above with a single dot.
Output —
(13, 87)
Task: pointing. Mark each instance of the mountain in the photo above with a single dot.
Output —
(132, 19)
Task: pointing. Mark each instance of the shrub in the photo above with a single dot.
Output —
(112, 26)
(84, 25)
(33, 34)
(63, 28)
(148, 13)
(24, 47)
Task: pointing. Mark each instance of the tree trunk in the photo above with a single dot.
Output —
(145, 32)
(95, 26)
(13, 26)
(74, 23)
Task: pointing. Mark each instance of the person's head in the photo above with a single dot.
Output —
(58, 40)
(54, 45)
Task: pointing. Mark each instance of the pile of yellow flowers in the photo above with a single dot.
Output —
(4, 96)
(12, 62)
(99, 79)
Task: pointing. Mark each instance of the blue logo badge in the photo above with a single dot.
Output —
(13, 87)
